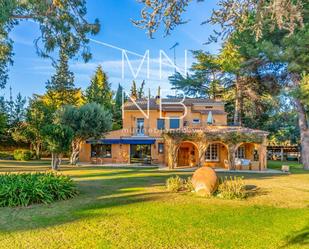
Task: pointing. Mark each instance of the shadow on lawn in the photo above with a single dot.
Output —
(96, 195)
(300, 238)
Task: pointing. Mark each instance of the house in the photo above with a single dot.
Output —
(189, 134)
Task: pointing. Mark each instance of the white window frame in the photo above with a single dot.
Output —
(214, 153)
(240, 152)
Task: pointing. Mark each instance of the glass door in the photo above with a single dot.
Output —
(140, 153)
(140, 127)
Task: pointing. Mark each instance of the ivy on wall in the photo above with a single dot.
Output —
(228, 137)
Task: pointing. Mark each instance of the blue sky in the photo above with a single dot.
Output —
(29, 73)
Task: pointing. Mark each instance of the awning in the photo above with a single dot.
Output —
(122, 141)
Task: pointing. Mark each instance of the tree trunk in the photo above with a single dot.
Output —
(76, 147)
(238, 101)
(304, 133)
(37, 150)
(56, 160)
(303, 125)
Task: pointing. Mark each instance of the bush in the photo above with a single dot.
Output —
(26, 189)
(232, 188)
(177, 184)
(6, 155)
(189, 185)
(23, 155)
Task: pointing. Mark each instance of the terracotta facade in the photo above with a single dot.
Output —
(144, 137)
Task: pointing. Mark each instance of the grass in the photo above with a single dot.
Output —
(130, 208)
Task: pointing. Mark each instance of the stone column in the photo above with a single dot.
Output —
(263, 154)
(231, 156)
(202, 147)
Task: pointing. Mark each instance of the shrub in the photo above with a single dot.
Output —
(26, 189)
(232, 188)
(175, 184)
(22, 155)
(189, 185)
(6, 155)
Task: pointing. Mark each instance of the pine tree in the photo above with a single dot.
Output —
(141, 90)
(61, 89)
(15, 109)
(3, 116)
(19, 109)
(118, 96)
(99, 90)
(117, 113)
(134, 94)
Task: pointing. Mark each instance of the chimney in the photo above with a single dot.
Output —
(158, 97)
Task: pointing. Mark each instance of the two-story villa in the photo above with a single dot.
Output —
(165, 132)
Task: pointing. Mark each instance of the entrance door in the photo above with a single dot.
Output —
(183, 157)
(140, 153)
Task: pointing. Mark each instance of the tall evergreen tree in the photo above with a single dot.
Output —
(3, 116)
(61, 89)
(118, 96)
(117, 113)
(141, 93)
(133, 91)
(99, 90)
(207, 78)
(16, 110)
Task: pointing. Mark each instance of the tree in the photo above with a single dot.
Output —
(60, 89)
(58, 139)
(88, 121)
(207, 78)
(232, 14)
(117, 112)
(16, 110)
(290, 54)
(37, 117)
(141, 93)
(231, 62)
(99, 90)
(3, 116)
(133, 91)
(58, 20)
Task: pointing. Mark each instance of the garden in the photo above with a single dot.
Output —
(132, 208)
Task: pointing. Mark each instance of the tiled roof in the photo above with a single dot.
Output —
(167, 103)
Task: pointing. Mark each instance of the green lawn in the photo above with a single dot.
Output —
(130, 208)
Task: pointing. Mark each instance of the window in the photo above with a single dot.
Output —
(240, 153)
(196, 121)
(101, 150)
(160, 124)
(212, 153)
(140, 126)
(174, 123)
(160, 148)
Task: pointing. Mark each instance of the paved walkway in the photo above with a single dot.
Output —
(163, 168)
(268, 171)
